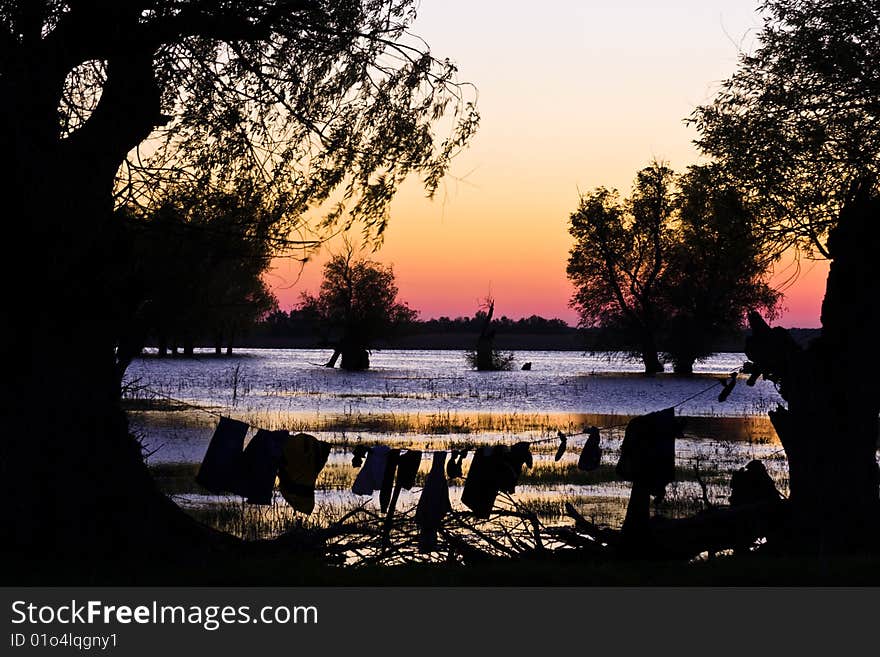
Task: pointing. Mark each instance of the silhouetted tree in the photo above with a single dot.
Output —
(798, 125)
(716, 269)
(110, 102)
(485, 358)
(201, 257)
(356, 305)
(618, 260)
(672, 269)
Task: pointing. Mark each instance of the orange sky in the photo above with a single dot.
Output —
(574, 96)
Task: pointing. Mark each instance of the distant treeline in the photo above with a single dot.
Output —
(295, 329)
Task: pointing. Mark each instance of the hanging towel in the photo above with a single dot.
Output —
(358, 454)
(591, 454)
(752, 484)
(260, 461)
(302, 459)
(647, 454)
(388, 479)
(408, 467)
(511, 463)
(521, 455)
(433, 504)
(220, 469)
(371, 474)
(481, 485)
(503, 470)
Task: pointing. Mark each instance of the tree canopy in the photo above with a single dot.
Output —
(619, 256)
(312, 100)
(716, 270)
(200, 257)
(671, 269)
(798, 124)
(322, 107)
(355, 306)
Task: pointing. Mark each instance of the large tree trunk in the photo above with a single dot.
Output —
(231, 341)
(75, 486)
(650, 356)
(335, 357)
(683, 365)
(355, 357)
(829, 429)
(485, 362)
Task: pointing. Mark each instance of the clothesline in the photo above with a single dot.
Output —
(558, 437)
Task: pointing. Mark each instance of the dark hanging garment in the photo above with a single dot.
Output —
(388, 479)
(591, 454)
(358, 454)
(433, 504)
(647, 454)
(521, 455)
(220, 469)
(509, 465)
(482, 483)
(563, 443)
(454, 466)
(751, 485)
(728, 388)
(408, 467)
(502, 465)
(371, 475)
(260, 462)
(453, 469)
(302, 459)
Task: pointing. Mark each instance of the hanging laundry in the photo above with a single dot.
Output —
(388, 479)
(728, 387)
(260, 461)
(591, 454)
(493, 469)
(752, 484)
(481, 486)
(509, 464)
(302, 459)
(433, 504)
(454, 466)
(453, 471)
(503, 468)
(521, 455)
(358, 455)
(408, 467)
(647, 454)
(560, 451)
(220, 469)
(371, 475)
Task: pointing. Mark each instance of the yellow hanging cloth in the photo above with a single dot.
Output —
(302, 459)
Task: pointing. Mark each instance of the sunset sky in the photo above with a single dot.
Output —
(573, 95)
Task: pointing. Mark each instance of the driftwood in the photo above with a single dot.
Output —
(711, 531)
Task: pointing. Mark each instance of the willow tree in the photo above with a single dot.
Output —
(716, 271)
(200, 258)
(326, 106)
(356, 306)
(798, 125)
(618, 260)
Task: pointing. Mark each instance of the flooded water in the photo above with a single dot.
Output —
(432, 400)
(292, 381)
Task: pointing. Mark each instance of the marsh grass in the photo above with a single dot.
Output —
(712, 449)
